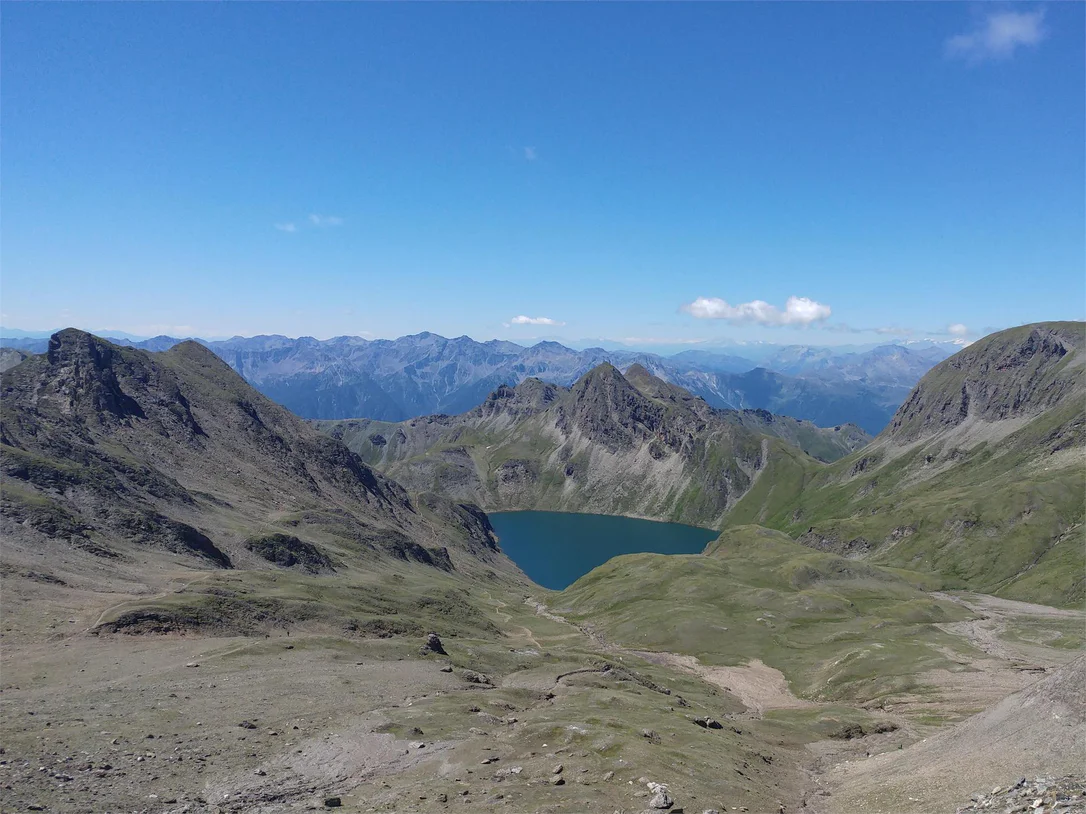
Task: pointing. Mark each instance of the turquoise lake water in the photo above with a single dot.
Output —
(555, 549)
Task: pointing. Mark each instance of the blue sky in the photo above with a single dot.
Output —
(786, 172)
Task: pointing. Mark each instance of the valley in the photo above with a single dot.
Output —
(212, 605)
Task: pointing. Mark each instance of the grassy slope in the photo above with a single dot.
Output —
(1003, 517)
(837, 628)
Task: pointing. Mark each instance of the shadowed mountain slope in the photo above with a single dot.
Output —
(979, 476)
(126, 456)
(612, 444)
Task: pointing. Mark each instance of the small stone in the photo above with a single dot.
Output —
(558, 780)
(247, 725)
(417, 745)
(192, 664)
(260, 773)
(447, 668)
(608, 776)
(442, 798)
(488, 761)
(557, 769)
(332, 802)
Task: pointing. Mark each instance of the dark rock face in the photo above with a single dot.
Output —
(539, 446)
(433, 645)
(287, 551)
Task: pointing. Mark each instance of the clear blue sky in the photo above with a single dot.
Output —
(643, 170)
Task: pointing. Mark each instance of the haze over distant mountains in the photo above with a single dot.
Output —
(424, 374)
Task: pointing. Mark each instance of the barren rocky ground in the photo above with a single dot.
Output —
(96, 722)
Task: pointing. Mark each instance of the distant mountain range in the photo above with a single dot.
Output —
(424, 374)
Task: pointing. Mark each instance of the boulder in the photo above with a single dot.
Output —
(433, 645)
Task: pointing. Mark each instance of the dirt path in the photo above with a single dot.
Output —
(507, 618)
(143, 599)
(759, 686)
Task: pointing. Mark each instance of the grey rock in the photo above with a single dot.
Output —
(433, 645)
(661, 800)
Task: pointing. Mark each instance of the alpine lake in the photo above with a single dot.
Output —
(556, 549)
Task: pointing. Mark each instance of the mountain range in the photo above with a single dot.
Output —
(989, 446)
(211, 602)
(628, 444)
(423, 374)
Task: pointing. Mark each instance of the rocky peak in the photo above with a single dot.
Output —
(1018, 372)
(83, 377)
(609, 410)
(528, 397)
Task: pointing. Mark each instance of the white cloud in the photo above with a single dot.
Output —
(325, 220)
(957, 329)
(286, 227)
(523, 320)
(998, 36)
(894, 331)
(658, 340)
(530, 154)
(797, 311)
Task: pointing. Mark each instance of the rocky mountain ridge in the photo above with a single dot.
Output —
(121, 455)
(612, 443)
(392, 380)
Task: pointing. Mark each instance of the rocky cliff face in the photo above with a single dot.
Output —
(616, 444)
(1013, 374)
(124, 455)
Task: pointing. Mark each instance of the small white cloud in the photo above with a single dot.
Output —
(530, 154)
(321, 221)
(893, 331)
(523, 320)
(998, 36)
(797, 311)
(957, 329)
(287, 227)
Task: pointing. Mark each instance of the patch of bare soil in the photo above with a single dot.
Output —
(759, 686)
